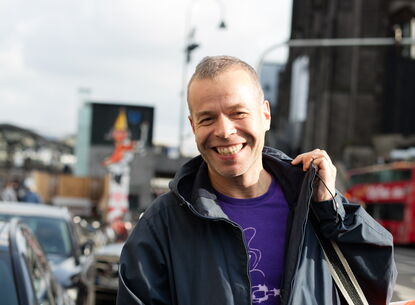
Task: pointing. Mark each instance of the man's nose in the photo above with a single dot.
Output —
(225, 127)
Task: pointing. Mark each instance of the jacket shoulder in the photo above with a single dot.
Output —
(275, 153)
(162, 205)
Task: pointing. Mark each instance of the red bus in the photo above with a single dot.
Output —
(388, 194)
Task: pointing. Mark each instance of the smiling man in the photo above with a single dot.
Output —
(235, 227)
(229, 119)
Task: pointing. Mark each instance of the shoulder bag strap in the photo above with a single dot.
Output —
(339, 268)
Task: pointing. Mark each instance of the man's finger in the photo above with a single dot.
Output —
(316, 156)
(297, 159)
(326, 155)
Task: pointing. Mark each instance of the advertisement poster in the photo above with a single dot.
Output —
(129, 134)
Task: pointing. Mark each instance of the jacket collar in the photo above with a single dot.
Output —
(192, 185)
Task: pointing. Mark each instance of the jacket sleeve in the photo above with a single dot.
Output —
(143, 278)
(367, 246)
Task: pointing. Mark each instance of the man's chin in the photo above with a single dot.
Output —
(229, 173)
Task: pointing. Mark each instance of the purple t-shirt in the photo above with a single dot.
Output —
(264, 221)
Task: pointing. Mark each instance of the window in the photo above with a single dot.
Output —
(406, 30)
(402, 22)
(52, 234)
(391, 175)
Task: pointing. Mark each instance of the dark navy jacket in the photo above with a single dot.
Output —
(185, 251)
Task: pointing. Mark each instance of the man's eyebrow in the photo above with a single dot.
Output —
(204, 113)
(231, 108)
(237, 106)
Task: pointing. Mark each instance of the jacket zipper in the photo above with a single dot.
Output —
(241, 236)
(302, 238)
(246, 256)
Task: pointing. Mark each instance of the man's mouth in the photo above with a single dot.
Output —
(229, 150)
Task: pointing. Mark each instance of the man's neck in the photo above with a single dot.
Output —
(242, 186)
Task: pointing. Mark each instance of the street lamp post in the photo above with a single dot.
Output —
(189, 46)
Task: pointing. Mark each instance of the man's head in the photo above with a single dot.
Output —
(229, 116)
(212, 66)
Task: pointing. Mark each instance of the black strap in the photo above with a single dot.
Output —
(340, 270)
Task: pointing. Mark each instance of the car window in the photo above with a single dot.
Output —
(52, 234)
(36, 265)
(7, 288)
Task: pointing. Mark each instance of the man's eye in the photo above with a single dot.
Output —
(240, 115)
(205, 121)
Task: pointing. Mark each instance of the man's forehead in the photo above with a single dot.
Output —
(211, 108)
(222, 84)
(226, 85)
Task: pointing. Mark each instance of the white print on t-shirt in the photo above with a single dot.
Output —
(260, 293)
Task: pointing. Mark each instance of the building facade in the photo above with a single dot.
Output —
(355, 101)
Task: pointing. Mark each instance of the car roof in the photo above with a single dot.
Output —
(28, 209)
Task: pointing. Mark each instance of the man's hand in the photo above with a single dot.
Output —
(325, 169)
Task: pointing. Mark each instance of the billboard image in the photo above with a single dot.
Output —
(128, 130)
(138, 118)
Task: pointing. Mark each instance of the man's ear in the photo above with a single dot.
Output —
(191, 122)
(267, 114)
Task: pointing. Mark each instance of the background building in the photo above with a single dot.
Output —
(356, 102)
(269, 77)
(23, 150)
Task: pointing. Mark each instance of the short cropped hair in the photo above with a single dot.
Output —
(212, 66)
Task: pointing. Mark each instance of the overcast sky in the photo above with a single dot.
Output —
(128, 51)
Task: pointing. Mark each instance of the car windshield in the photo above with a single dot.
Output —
(52, 234)
(7, 288)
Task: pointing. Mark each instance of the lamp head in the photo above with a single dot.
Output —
(222, 24)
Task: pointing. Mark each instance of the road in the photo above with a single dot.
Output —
(405, 285)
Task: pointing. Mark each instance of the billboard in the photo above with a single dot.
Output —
(129, 130)
(139, 122)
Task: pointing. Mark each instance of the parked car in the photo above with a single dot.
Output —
(107, 261)
(73, 263)
(25, 275)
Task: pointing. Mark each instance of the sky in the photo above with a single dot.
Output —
(126, 51)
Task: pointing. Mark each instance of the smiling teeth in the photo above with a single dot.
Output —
(229, 150)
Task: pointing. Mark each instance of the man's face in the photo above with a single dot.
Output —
(229, 122)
